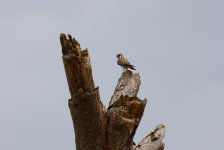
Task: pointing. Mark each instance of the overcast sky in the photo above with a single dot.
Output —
(177, 47)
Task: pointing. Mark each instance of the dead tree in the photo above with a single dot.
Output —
(98, 128)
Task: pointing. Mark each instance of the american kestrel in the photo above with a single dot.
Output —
(124, 63)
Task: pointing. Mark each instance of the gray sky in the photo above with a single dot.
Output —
(176, 45)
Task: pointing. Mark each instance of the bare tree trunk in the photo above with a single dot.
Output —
(95, 127)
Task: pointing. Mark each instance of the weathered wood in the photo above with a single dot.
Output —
(153, 141)
(89, 119)
(87, 111)
(125, 112)
(77, 65)
(128, 85)
(95, 127)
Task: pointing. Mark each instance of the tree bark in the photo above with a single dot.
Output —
(95, 127)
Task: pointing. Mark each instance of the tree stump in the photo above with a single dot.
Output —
(97, 128)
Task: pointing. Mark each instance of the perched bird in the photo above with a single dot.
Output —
(124, 63)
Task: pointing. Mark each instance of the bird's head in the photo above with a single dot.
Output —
(119, 56)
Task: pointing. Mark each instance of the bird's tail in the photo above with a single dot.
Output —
(132, 67)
